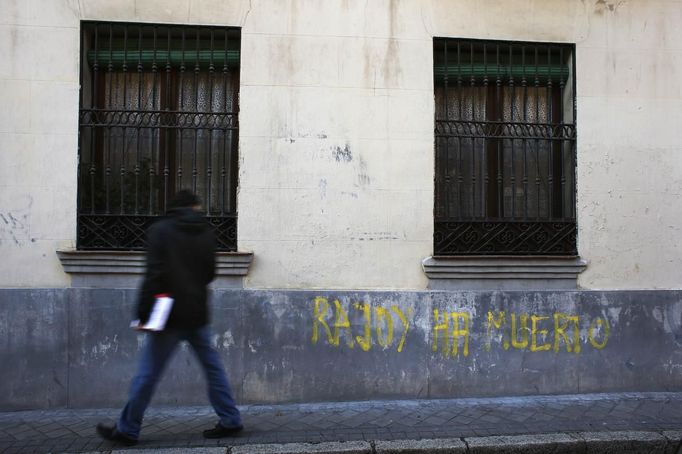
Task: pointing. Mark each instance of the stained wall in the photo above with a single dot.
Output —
(336, 132)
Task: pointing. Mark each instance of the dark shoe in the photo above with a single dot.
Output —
(110, 433)
(220, 431)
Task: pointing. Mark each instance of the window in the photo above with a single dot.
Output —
(505, 148)
(159, 113)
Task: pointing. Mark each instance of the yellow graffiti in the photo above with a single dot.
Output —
(534, 331)
(440, 328)
(365, 341)
(341, 322)
(560, 332)
(602, 324)
(406, 325)
(497, 323)
(458, 333)
(524, 332)
(454, 334)
(383, 324)
(318, 318)
(566, 330)
(383, 317)
(451, 330)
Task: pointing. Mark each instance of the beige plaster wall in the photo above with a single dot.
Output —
(336, 131)
(340, 142)
(38, 139)
(630, 146)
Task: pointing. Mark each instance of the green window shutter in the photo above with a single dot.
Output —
(466, 71)
(175, 57)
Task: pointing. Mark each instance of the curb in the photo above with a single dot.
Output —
(630, 442)
(557, 443)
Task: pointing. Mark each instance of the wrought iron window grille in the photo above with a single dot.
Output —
(505, 136)
(158, 113)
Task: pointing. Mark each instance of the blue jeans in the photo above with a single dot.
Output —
(157, 351)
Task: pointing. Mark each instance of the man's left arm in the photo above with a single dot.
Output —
(210, 262)
(153, 283)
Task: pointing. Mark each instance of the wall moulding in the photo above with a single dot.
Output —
(503, 273)
(124, 269)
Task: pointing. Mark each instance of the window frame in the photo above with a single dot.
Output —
(491, 233)
(113, 225)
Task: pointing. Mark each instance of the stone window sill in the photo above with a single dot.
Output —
(503, 273)
(125, 269)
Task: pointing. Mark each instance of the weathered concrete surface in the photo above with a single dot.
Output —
(33, 348)
(73, 347)
(440, 446)
(173, 451)
(629, 442)
(103, 351)
(625, 442)
(350, 447)
(674, 438)
(526, 444)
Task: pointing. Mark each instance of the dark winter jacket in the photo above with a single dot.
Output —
(181, 262)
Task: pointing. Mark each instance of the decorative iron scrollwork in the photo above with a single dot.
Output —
(121, 232)
(504, 238)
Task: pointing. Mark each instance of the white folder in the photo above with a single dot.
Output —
(160, 312)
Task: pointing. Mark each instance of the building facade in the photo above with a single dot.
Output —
(412, 198)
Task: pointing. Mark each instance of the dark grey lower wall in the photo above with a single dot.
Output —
(73, 347)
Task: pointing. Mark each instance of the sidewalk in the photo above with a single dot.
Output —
(640, 422)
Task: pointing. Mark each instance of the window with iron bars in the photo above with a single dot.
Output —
(158, 113)
(505, 148)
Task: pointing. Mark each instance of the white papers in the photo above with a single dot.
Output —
(157, 320)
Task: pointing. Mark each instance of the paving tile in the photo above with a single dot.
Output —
(73, 430)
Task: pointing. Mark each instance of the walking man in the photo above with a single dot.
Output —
(180, 263)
